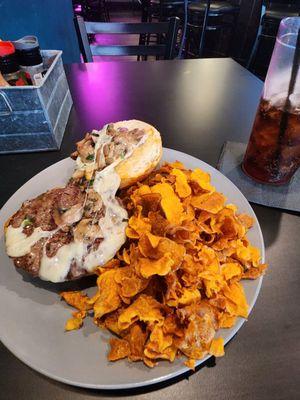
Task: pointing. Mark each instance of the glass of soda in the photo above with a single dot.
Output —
(273, 152)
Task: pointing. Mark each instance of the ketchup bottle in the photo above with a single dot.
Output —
(9, 66)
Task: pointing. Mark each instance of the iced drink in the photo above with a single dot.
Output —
(273, 152)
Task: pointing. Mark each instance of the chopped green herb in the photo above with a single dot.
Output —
(27, 221)
(95, 134)
(91, 182)
(90, 157)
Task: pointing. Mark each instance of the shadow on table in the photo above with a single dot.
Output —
(79, 284)
(269, 219)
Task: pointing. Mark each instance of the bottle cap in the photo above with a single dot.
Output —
(26, 43)
(6, 48)
(8, 58)
(28, 51)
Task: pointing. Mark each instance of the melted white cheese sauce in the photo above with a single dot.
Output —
(18, 244)
(113, 225)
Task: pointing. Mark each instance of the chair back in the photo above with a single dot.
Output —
(166, 49)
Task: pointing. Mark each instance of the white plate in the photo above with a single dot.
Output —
(32, 317)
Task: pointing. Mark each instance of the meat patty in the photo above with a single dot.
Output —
(40, 212)
(59, 210)
(31, 261)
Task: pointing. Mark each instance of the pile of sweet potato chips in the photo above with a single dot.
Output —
(176, 281)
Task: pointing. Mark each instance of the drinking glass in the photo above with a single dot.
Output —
(273, 152)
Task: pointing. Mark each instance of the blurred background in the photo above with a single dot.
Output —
(242, 29)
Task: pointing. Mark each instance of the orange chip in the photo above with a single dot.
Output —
(136, 339)
(109, 299)
(189, 296)
(160, 345)
(190, 363)
(137, 226)
(227, 321)
(246, 220)
(217, 347)
(126, 256)
(177, 164)
(119, 348)
(176, 250)
(150, 202)
(176, 280)
(162, 266)
(181, 185)
(235, 293)
(75, 322)
(140, 191)
(230, 270)
(170, 203)
(212, 202)
(203, 179)
(159, 224)
(110, 321)
(76, 299)
(129, 283)
(254, 272)
(147, 245)
(145, 309)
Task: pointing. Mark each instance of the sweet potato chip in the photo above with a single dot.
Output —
(137, 226)
(119, 348)
(230, 270)
(254, 272)
(217, 347)
(246, 220)
(136, 339)
(150, 202)
(75, 322)
(148, 244)
(76, 299)
(227, 321)
(190, 363)
(162, 266)
(144, 309)
(176, 280)
(170, 203)
(235, 292)
(177, 164)
(181, 184)
(109, 299)
(203, 179)
(211, 202)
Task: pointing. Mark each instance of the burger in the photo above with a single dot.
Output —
(68, 232)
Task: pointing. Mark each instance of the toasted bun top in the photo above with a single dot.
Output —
(144, 158)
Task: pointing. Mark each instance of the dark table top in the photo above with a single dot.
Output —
(196, 105)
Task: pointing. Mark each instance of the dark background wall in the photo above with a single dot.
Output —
(50, 20)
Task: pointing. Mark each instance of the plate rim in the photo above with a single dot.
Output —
(180, 371)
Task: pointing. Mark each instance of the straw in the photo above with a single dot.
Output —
(287, 105)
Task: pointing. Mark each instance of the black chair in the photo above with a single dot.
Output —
(163, 10)
(93, 10)
(217, 18)
(165, 48)
(265, 41)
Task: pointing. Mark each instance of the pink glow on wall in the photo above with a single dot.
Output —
(78, 8)
(101, 80)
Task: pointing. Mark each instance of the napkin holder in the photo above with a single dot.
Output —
(34, 118)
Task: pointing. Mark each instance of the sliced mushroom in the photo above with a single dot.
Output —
(85, 148)
(86, 231)
(68, 217)
(93, 205)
